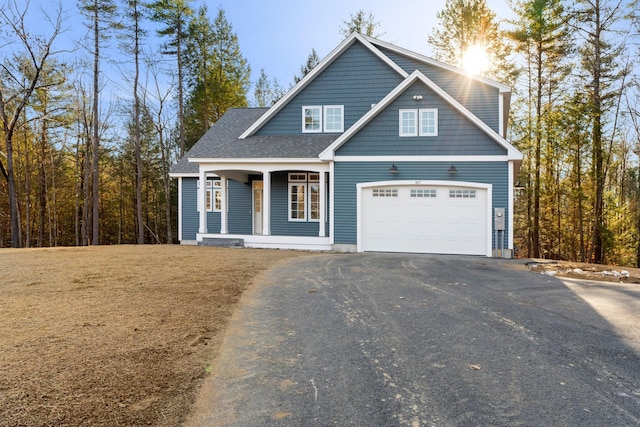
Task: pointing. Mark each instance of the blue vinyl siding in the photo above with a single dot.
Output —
(280, 224)
(239, 219)
(479, 98)
(356, 79)
(457, 135)
(190, 214)
(348, 174)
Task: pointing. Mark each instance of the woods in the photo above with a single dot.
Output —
(81, 165)
(85, 157)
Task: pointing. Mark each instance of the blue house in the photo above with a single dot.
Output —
(376, 149)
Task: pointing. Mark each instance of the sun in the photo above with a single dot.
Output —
(475, 60)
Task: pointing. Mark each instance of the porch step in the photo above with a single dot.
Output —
(222, 242)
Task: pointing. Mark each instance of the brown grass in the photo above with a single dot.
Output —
(114, 335)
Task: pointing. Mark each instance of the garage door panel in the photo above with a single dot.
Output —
(424, 219)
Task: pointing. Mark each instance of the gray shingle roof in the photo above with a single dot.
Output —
(221, 141)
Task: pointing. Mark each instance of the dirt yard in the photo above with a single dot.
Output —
(579, 270)
(114, 335)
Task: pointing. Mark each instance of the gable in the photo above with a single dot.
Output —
(457, 134)
(478, 97)
(355, 79)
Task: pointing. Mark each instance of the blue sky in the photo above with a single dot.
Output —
(278, 36)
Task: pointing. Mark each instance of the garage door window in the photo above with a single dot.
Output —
(423, 192)
(462, 194)
(385, 192)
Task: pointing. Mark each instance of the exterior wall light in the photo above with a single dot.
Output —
(452, 169)
(393, 169)
(417, 97)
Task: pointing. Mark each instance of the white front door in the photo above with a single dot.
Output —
(257, 207)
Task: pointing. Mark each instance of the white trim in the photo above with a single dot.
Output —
(332, 202)
(285, 162)
(296, 184)
(510, 204)
(224, 213)
(398, 159)
(266, 203)
(202, 196)
(322, 227)
(501, 127)
(329, 152)
(180, 209)
(276, 242)
(363, 185)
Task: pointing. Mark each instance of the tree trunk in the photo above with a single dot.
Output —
(95, 235)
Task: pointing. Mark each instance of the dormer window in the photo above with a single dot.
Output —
(327, 118)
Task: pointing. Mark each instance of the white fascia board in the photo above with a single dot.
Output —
(244, 160)
(184, 175)
(399, 159)
(322, 65)
(425, 59)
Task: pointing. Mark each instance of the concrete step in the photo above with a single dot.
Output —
(222, 242)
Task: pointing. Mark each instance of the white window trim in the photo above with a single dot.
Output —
(305, 180)
(415, 124)
(291, 185)
(209, 196)
(435, 119)
(324, 124)
(320, 128)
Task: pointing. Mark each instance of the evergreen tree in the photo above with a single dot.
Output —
(175, 15)
(266, 92)
(362, 23)
(542, 38)
(218, 73)
(468, 29)
(312, 61)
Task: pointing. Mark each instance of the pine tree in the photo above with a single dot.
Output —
(175, 15)
(466, 26)
(361, 23)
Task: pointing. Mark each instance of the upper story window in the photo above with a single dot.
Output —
(429, 122)
(318, 118)
(422, 122)
(408, 122)
(312, 119)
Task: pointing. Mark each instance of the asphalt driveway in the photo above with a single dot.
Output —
(420, 340)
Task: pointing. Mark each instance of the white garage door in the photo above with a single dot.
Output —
(424, 219)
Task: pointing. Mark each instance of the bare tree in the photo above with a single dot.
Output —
(21, 70)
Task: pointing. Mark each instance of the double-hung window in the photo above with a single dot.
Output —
(428, 122)
(304, 197)
(408, 123)
(213, 196)
(319, 118)
(418, 122)
(312, 119)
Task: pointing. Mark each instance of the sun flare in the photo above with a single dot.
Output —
(475, 60)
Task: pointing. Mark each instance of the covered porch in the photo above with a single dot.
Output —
(266, 204)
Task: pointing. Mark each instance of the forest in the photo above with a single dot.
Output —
(82, 168)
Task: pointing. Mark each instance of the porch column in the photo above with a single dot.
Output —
(266, 203)
(223, 205)
(323, 205)
(202, 204)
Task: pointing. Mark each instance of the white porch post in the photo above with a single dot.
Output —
(266, 203)
(202, 205)
(323, 205)
(223, 205)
